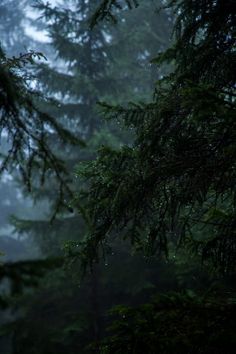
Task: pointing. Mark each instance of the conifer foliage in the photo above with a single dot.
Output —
(25, 125)
(90, 66)
(106, 10)
(171, 187)
(179, 175)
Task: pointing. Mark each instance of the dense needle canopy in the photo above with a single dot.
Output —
(171, 188)
(179, 175)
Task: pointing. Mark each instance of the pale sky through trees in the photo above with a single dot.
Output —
(40, 36)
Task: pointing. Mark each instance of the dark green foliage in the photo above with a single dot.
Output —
(173, 323)
(27, 127)
(170, 192)
(23, 274)
(181, 168)
(49, 236)
(64, 307)
(91, 66)
(106, 9)
(96, 64)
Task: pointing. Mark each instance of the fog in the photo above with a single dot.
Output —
(117, 194)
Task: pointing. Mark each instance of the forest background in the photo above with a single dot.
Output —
(155, 205)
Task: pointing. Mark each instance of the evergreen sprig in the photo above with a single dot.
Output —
(27, 127)
(107, 8)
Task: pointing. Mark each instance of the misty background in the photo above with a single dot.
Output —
(112, 64)
(117, 198)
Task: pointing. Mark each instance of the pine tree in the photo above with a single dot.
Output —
(24, 128)
(175, 186)
(179, 174)
(90, 66)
